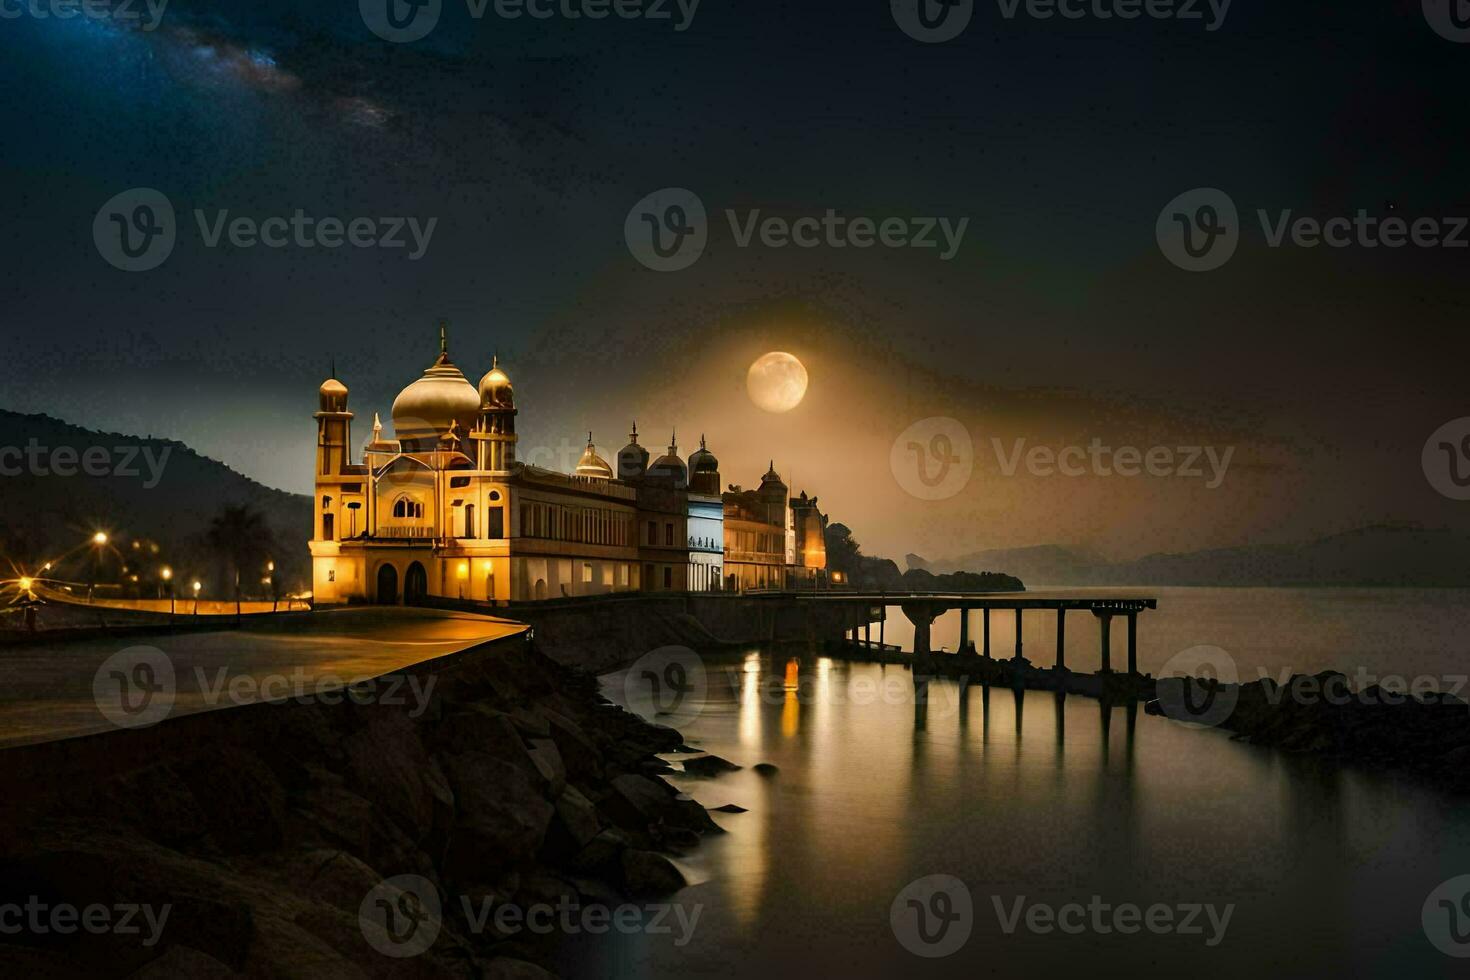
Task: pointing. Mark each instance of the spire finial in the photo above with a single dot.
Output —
(333, 373)
(443, 336)
(589, 438)
(673, 440)
(495, 360)
(701, 440)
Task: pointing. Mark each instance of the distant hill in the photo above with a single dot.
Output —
(153, 490)
(1380, 555)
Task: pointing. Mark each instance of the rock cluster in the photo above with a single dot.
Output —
(265, 827)
(1323, 714)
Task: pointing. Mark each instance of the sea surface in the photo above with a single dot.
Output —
(1026, 804)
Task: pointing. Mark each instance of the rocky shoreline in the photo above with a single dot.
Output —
(265, 828)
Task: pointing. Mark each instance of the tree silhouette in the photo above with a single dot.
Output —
(240, 534)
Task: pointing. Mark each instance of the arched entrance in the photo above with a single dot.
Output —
(415, 585)
(540, 592)
(387, 585)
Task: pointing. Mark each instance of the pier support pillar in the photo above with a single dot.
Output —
(964, 628)
(1106, 621)
(986, 627)
(1133, 643)
(922, 616)
(1018, 633)
(867, 634)
(1061, 639)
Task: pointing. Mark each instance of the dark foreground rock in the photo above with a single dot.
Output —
(265, 830)
(1427, 733)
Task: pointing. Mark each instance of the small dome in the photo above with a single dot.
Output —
(332, 396)
(632, 458)
(426, 409)
(772, 478)
(670, 465)
(702, 460)
(495, 387)
(592, 464)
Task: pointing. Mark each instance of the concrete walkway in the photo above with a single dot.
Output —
(51, 689)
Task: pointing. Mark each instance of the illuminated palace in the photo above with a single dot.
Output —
(444, 508)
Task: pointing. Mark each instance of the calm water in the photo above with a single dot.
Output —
(1327, 869)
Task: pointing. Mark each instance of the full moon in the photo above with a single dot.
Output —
(776, 382)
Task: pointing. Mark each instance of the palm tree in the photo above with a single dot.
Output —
(240, 534)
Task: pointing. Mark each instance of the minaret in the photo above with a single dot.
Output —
(495, 429)
(333, 427)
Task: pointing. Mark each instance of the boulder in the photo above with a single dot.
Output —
(709, 765)
(647, 874)
(501, 817)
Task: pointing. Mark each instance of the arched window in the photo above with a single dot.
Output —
(406, 506)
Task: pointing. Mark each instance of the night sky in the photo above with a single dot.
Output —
(1058, 320)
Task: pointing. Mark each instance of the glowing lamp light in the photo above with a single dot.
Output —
(99, 538)
(167, 573)
(197, 587)
(463, 570)
(25, 583)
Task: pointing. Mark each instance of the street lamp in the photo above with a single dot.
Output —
(100, 540)
(196, 588)
(167, 574)
(25, 583)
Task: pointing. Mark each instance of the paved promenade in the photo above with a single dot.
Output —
(53, 688)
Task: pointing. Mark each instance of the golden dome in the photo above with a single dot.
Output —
(495, 387)
(425, 409)
(592, 464)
